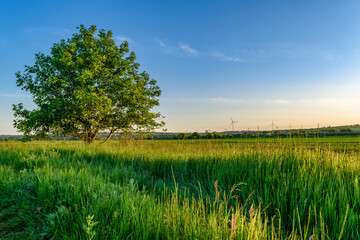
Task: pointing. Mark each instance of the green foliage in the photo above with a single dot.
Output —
(195, 135)
(217, 135)
(208, 135)
(89, 227)
(87, 84)
(180, 136)
(346, 130)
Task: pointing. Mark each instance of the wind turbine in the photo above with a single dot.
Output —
(232, 123)
(272, 126)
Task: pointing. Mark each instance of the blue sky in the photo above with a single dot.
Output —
(291, 62)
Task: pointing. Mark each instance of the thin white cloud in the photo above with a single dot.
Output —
(220, 100)
(184, 48)
(60, 31)
(291, 51)
(161, 43)
(282, 50)
(123, 38)
(330, 102)
(187, 49)
(56, 31)
(14, 95)
(165, 47)
(223, 57)
(280, 102)
(253, 52)
(232, 101)
(311, 102)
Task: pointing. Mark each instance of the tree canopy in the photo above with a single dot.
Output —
(87, 84)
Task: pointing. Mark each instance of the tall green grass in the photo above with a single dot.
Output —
(248, 189)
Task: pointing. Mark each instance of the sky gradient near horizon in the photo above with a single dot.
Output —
(290, 62)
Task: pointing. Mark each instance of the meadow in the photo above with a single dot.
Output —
(305, 188)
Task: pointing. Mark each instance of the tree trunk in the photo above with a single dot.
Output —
(90, 137)
(109, 136)
(93, 137)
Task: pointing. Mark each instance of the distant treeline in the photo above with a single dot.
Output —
(303, 133)
(269, 134)
(207, 135)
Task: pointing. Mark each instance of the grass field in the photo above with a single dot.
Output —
(174, 189)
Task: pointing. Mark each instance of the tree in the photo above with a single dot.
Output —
(208, 135)
(180, 136)
(86, 85)
(195, 135)
(217, 135)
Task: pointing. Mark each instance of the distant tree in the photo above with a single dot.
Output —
(208, 135)
(217, 135)
(346, 130)
(268, 134)
(195, 135)
(230, 136)
(86, 85)
(180, 136)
